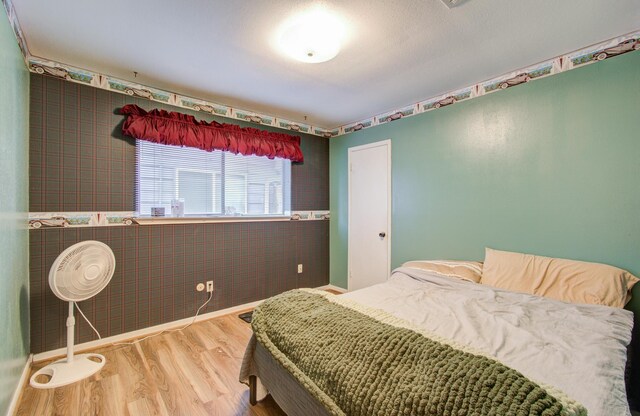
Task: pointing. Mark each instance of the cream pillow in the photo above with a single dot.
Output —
(465, 270)
(560, 279)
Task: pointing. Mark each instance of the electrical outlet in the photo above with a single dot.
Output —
(299, 268)
(200, 287)
(209, 286)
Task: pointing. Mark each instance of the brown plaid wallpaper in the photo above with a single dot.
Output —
(158, 267)
(79, 161)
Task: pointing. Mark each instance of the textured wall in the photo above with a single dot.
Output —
(14, 256)
(79, 161)
(158, 268)
(550, 168)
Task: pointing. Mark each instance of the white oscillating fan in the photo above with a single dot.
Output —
(79, 272)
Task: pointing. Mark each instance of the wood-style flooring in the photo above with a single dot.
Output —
(190, 372)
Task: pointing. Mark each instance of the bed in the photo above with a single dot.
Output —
(566, 358)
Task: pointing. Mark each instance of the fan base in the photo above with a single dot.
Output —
(61, 373)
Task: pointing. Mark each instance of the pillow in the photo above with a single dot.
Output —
(559, 279)
(465, 270)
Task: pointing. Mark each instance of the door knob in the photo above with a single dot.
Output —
(382, 235)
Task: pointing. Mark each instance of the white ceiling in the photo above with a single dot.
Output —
(397, 53)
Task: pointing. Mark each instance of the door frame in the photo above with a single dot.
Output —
(380, 143)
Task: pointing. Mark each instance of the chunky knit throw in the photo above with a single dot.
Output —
(356, 363)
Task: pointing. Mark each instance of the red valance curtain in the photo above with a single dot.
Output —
(160, 126)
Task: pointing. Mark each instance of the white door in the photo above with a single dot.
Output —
(369, 214)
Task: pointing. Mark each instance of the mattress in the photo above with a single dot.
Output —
(579, 349)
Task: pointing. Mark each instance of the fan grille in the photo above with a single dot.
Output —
(82, 271)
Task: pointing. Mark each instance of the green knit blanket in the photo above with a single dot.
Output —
(359, 361)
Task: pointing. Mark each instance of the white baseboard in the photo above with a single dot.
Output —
(15, 399)
(61, 352)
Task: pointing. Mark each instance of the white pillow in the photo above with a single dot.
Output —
(465, 270)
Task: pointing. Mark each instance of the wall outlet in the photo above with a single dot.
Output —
(209, 286)
(200, 287)
(299, 268)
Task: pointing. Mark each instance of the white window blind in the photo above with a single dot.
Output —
(210, 183)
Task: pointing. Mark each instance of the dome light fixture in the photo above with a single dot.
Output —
(313, 36)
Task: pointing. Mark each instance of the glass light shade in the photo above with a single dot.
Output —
(314, 36)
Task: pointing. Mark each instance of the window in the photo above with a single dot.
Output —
(210, 183)
(255, 198)
(197, 187)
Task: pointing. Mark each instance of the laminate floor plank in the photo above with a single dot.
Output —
(138, 379)
(189, 372)
(180, 397)
(113, 402)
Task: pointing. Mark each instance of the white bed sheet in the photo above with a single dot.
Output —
(580, 349)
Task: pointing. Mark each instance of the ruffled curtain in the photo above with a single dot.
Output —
(177, 129)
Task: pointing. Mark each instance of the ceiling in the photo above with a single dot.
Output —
(396, 53)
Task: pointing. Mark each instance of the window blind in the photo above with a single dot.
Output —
(210, 183)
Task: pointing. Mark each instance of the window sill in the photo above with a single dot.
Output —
(205, 220)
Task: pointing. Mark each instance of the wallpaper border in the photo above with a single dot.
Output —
(43, 220)
(579, 58)
(584, 56)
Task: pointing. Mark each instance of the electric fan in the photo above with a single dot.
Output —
(80, 272)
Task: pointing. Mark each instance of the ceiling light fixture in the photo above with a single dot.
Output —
(312, 36)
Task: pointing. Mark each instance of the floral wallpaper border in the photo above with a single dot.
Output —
(594, 53)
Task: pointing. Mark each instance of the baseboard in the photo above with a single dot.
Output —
(61, 352)
(15, 399)
(332, 287)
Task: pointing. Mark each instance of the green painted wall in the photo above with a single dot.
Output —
(551, 167)
(14, 243)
